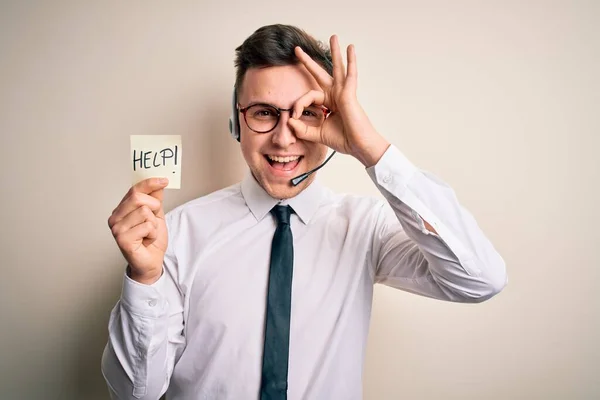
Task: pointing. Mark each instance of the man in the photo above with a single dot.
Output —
(264, 289)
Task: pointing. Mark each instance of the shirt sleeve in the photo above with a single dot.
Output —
(145, 337)
(457, 264)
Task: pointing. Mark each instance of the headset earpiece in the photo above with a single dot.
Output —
(234, 121)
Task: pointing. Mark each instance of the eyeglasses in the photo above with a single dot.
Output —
(263, 118)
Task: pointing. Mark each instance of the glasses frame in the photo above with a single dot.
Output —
(243, 110)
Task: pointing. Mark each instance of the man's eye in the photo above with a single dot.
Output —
(264, 113)
(312, 113)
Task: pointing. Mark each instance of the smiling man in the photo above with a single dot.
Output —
(263, 290)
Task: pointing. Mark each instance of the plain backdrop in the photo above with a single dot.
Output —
(500, 99)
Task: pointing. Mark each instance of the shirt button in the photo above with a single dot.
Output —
(152, 302)
(387, 179)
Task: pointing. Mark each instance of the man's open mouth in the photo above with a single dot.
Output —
(283, 163)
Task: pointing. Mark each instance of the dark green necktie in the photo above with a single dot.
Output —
(277, 327)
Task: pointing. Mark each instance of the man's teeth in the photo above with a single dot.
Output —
(283, 159)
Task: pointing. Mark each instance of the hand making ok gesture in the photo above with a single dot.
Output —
(347, 130)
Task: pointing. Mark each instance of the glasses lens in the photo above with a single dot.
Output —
(313, 116)
(261, 117)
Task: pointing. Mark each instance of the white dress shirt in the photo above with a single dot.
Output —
(197, 332)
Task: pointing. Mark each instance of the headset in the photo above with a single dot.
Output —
(234, 129)
(234, 119)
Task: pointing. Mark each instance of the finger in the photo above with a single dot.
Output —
(150, 237)
(352, 75)
(311, 97)
(147, 186)
(158, 194)
(305, 132)
(150, 185)
(135, 201)
(322, 77)
(134, 218)
(132, 239)
(339, 75)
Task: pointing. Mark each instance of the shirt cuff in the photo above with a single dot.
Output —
(144, 300)
(393, 171)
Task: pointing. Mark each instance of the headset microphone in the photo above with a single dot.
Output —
(297, 180)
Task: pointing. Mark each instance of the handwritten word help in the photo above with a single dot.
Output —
(156, 156)
(154, 159)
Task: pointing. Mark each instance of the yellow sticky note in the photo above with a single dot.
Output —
(156, 156)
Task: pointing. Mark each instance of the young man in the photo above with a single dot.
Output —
(223, 300)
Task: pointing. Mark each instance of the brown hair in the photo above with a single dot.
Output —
(274, 45)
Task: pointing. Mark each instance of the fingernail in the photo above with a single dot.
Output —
(163, 181)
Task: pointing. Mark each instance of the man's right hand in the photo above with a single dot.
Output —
(139, 228)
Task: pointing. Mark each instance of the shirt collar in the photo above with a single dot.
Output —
(259, 202)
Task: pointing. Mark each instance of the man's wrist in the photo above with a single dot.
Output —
(371, 153)
(145, 279)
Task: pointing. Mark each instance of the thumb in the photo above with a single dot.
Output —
(305, 132)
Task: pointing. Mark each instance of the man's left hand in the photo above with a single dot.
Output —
(347, 130)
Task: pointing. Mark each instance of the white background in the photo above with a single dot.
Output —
(501, 99)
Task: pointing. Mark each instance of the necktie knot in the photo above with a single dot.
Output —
(282, 214)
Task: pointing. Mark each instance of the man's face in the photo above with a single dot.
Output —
(280, 86)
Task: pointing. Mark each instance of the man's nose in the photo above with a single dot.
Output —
(284, 136)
